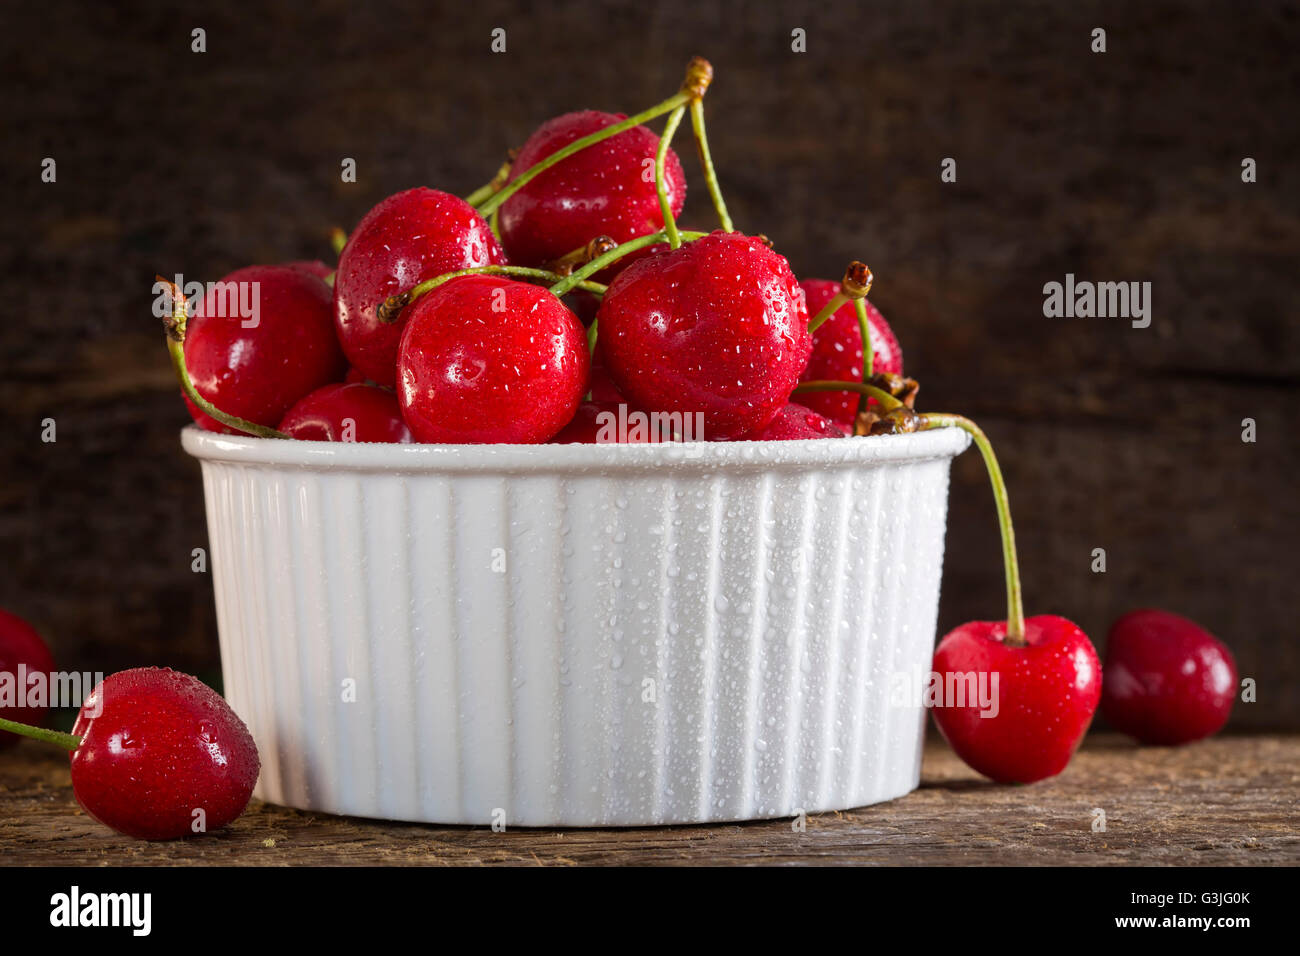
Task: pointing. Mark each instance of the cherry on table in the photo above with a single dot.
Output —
(1048, 678)
(1168, 681)
(717, 326)
(796, 422)
(837, 351)
(600, 191)
(1044, 699)
(409, 237)
(256, 367)
(21, 646)
(348, 413)
(156, 746)
(157, 755)
(485, 360)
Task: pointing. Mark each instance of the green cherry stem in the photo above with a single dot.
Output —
(488, 190)
(66, 741)
(829, 309)
(579, 257)
(394, 304)
(579, 276)
(338, 239)
(661, 186)
(868, 353)
(1011, 567)
(855, 285)
(174, 325)
(706, 160)
(886, 400)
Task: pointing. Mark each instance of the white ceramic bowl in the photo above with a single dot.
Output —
(574, 635)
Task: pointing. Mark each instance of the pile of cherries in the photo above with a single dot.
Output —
(530, 312)
(519, 314)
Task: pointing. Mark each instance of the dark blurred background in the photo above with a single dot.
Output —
(1117, 166)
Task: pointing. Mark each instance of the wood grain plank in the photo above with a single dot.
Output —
(1227, 801)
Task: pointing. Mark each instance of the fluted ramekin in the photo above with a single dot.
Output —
(577, 635)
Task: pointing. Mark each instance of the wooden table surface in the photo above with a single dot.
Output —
(1227, 801)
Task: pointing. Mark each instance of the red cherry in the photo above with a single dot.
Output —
(354, 413)
(312, 267)
(590, 427)
(1168, 681)
(408, 238)
(717, 326)
(355, 377)
(837, 351)
(1047, 691)
(486, 360)
(162, 746)
(20, 644)
(795, 422)
(256, 373)
(600, 191)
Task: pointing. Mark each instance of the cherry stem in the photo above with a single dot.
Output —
(886, 400)
(855, 285)
(494, 201)
(579, 276)
(338, 239)
(1015, 607)
(592, 332)
(579, 257)
(706, 160)
(175, 328)
(66, 741)
(868, 353)
(390, 308)
(829, 309)
(487, 190)
(661, 186)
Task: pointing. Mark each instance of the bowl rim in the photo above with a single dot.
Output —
(938, 443)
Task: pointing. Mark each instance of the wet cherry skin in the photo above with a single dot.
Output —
(163, 745)
(1167, 680)
(837, 351)
(409, 237)
(21, 644)
(796, 422)
(347, 412)
(1046, 696)
(717, 326)
(486, 359)
(257, 372)
(601, 191)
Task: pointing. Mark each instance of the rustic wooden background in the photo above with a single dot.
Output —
(1117, 166)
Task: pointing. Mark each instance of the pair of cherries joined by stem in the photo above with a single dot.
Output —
(154, 754)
